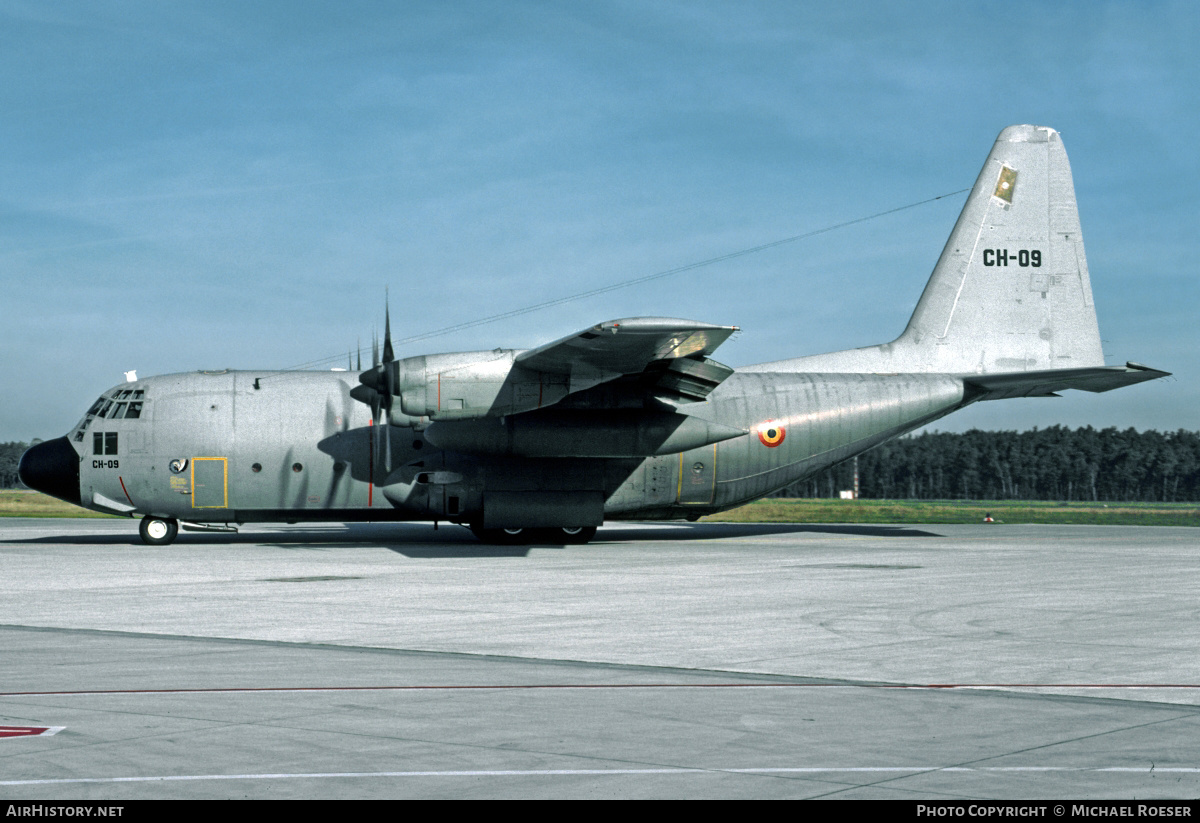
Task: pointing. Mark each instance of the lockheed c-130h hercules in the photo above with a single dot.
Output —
(626, 420)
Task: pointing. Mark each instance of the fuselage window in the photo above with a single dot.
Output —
(135, 410)
(104, 411)
(119, 411)
(125, 394)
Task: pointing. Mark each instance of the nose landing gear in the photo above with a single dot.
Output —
(158, 531)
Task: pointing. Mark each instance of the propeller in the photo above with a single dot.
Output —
(379, 385)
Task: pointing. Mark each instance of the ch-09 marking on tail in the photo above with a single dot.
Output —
(1025, 258)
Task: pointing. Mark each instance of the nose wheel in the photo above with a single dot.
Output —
(158, 531)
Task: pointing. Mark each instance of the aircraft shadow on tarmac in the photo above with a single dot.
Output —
(420, 541)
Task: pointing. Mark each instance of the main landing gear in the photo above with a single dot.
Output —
(158, 531)
(566, 535)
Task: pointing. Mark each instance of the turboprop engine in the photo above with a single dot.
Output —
(468, 385)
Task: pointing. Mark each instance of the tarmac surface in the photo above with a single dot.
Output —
(665, 661)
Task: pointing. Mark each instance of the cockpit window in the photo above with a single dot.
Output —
(111, 406)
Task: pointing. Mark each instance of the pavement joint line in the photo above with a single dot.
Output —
(600, 686)
(766, 770)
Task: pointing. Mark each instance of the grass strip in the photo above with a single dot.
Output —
(782, 510)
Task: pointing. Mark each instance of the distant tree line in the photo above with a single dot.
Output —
(10, 457)
(1057, 463)
(1042, 464)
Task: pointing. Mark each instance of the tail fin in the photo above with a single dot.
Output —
(1011, 291)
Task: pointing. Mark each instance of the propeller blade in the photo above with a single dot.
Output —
(389, 353)
(389, 381)
(387, 446)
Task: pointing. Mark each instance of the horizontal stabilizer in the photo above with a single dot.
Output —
(1046, 383)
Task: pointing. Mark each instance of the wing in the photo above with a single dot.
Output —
(604, 392)
(660, 355)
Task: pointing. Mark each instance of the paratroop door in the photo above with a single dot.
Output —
(209, 483)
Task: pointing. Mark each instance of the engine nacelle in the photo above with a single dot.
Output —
(473, 385)
(580, 433)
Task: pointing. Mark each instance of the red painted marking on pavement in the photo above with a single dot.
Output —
(26, 731)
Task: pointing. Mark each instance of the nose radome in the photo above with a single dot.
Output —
(52, 467)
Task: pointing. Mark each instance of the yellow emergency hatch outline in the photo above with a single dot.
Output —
(224, 482)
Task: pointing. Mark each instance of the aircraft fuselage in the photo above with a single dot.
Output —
(245, 446)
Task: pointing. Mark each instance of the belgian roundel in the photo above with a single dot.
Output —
(771, 434)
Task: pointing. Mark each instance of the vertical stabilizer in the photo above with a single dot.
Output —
(1011, 290)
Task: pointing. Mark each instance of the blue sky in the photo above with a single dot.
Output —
(211, 184)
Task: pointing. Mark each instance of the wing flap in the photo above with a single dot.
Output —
(686, 380)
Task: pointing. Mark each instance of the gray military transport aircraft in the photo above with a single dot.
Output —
(626, 420)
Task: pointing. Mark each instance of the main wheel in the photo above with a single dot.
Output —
(577, 535)
(503, 537)
(158, 531)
